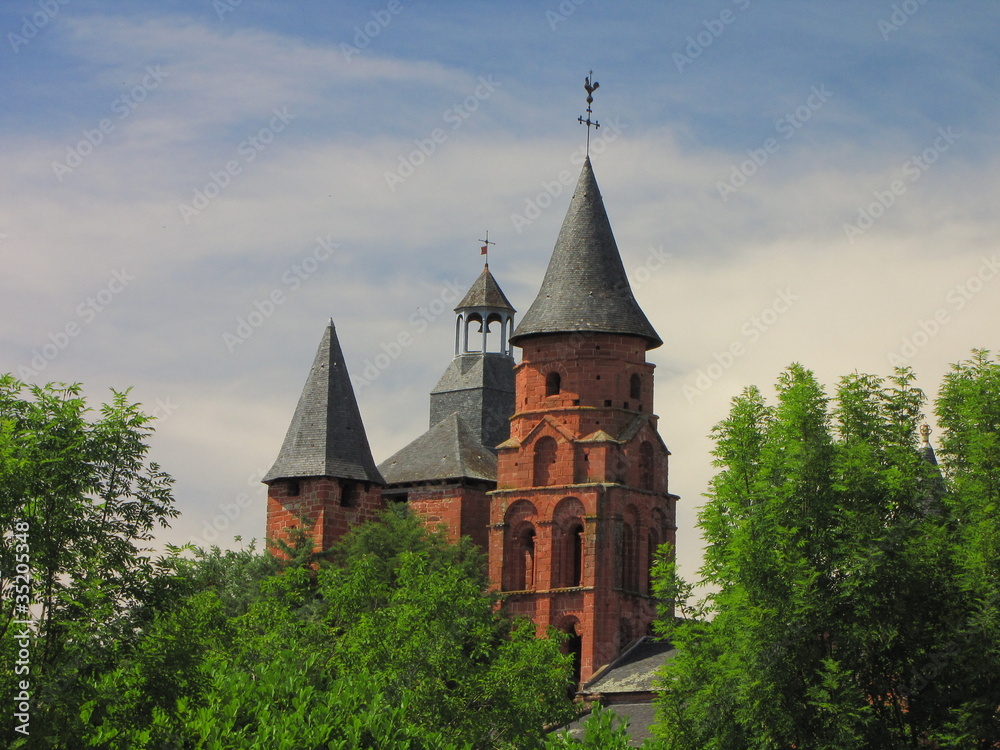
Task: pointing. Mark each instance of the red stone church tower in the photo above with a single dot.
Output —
(582, 499)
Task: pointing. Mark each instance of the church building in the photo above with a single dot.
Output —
(553, 464)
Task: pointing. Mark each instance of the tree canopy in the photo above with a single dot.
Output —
(853, 584)
(78, 503)
(391, 640)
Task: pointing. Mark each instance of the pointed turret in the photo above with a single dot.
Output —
(485, 292)
(446, 473)
(485, 304)
(932, 501)
(926, 449)
(479, 382)
(326, 437)
(585, 287)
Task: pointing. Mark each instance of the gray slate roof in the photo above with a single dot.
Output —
(585, 286)
(627, 687)
(485, 292)
(641, 717)
(326, 437)
(635, 671)
(476, 370)
(480, 387)
(448, 450)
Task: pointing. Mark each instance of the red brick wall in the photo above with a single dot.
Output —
(464, 511)
(318, 506)
(604, 477)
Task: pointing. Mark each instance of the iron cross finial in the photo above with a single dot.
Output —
(486, 247)
(591, 86)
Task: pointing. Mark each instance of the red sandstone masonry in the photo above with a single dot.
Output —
(318, 506)
(601, 479)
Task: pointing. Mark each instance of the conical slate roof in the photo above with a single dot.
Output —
(585, 286)
(448, 450)
(326, 437)
(485, 292)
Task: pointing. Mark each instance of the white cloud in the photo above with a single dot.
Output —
(324, 176)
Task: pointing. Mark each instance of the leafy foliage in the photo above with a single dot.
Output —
(397, 645)
(78, 499)
(851, 585)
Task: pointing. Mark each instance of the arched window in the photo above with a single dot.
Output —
(567, 543)
(628, 561)
(350, 493)
(651, 546)
(553, 384)
(635, 387)
(647, 476)
(526, 547)
(519, 547)
(574, 647)
(545, 457)
(519, 569)
(574, 556)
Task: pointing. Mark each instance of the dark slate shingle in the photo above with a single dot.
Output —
(326, 437)
(480, 387)
(585, 287)
(448, 450)
(485, 292)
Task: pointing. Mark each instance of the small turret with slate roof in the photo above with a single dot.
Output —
(445, 473)
(324, 478)
(479, 382)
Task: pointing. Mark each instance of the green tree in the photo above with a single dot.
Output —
(837, 615)
(78, 500)
(414, 609)
(396, 644)
(968, 410)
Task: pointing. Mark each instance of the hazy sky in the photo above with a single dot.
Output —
(190, 190)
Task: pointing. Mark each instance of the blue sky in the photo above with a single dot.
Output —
(788, 181)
